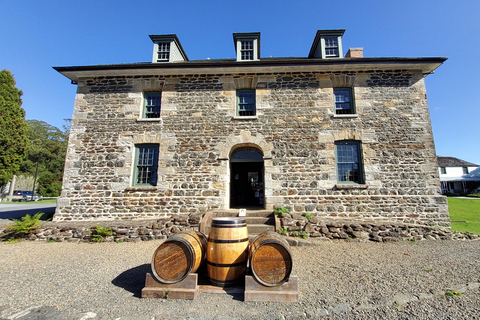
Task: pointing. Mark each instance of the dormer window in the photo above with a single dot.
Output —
(167, 48)
(247, 46)
(327, 44)
(331, 46)
(247, 50)
(163, 53)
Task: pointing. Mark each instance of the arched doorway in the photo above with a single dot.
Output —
(247, 187)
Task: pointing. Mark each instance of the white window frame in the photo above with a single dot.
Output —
(324, 47)
(240, 50)
(145, 115)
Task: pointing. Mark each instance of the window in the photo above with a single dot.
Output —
(246, 50)
(343, 101)
(465, 170)
(246, 102)
(443, 170)
(163, 53)
(146, 165)
(349, 163)
(152, 102)
(331, 47)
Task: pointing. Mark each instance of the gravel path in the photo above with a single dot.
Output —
(337, 280)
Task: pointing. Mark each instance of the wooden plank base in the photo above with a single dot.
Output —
(186, 289)
(287, 292)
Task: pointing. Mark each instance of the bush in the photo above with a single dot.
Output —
(23, 227)
(308, 216)
(279, 211)
(99, 233)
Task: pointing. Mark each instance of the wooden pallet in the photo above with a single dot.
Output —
(188, 289)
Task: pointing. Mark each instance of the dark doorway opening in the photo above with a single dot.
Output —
(247, 188)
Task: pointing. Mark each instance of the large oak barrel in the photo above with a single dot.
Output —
(227, 251)
(179, 255)
(270, 259)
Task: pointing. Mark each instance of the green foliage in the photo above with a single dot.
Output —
(282, 231)
(23, 227)
(99, 233)
(467, 210)
(295, 233)
(303, 235)
(452, 293)
(48, 147)
(13, 137)
(279, 211)
(308, 216)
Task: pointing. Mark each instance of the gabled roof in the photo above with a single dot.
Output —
(323, 33)
(453, 162)
(169, 38)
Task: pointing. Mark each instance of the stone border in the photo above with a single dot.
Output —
(316, 228)
(358, 230)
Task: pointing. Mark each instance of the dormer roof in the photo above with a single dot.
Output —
(247, 46)
(167, 48)
(319, 46)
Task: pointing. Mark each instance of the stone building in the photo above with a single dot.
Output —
(333, 135)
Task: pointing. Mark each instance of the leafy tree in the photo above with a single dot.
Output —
(48, 146)
(13, 139)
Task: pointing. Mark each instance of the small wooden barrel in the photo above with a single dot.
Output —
(179, 255)
(227, 251)
(270, 259)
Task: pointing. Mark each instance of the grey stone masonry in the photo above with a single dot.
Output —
(295, 127)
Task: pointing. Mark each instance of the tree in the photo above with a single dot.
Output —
(48, 147)
(13, 138)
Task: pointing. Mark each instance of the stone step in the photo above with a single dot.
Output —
(234, 213)
(260, 220)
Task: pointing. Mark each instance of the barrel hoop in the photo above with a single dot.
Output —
(227, 265)
(225, 283)
(228, 226)
(227, 241)
(229, 221)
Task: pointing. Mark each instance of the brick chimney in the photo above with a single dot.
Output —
(354, 53)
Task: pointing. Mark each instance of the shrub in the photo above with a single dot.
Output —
(279, 211)
(282, 231)
(303, 235)
(23, 227)
(308, 216)
(99, 233)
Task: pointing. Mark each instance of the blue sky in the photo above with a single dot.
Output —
(37, 35)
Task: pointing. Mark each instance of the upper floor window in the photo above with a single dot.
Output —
(246, 102)
(331, 47)
(163, 53)
(146, 165)
(443, 170)
(349, 162)
(465, 170)
(246, 50)
(151, 104)
(343, 101)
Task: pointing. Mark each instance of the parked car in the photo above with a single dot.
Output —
(19, 195)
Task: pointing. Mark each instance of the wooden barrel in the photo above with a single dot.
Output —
(270, 259)
(179, 255)
(227, 251)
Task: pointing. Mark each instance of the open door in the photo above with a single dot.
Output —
(247, 189)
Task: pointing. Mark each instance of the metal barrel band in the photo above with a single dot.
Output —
(227, 265)
(227, 241)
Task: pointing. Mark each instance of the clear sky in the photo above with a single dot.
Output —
(37, 35)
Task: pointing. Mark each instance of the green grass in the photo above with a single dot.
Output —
(465, 210)
(30, 202)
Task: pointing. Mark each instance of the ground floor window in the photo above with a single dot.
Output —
(146, 165)
(349, 162)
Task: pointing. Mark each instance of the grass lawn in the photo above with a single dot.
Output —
(465, 210)
(40, 201)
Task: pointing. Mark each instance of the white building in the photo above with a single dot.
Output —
(457, 176)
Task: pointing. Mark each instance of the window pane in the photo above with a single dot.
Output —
(343, 101)
(246, 102)
(147, 165)
(348, 164)
(153, 102)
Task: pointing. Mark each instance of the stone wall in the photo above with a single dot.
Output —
(295, 128)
